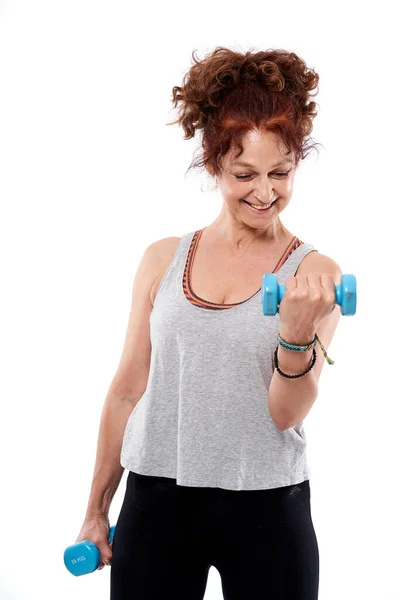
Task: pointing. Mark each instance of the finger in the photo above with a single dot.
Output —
(327, 281)
(314, 280)
(291, 283)
(301, 280)
(329, 286)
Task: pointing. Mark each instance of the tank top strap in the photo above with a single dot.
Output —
(287, 265)
(176, 277)
(291, 264)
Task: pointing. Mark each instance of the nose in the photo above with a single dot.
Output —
(267, 199)
(265, 196)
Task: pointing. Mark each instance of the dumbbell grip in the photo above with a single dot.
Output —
(111, 534)
(272, 294)
(84, 557)
(338, 293)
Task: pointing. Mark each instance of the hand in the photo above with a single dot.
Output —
(96, 530)
(308, 299)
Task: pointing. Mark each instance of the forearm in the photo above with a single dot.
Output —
(290, 400)
(108, 470)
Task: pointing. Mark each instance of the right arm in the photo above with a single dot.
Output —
(108, 471)
(128, 384)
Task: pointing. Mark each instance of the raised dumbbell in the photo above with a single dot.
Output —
(84, 557)
(272, 294)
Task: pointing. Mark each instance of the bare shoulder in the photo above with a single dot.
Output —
(319, 263)
(163, 252)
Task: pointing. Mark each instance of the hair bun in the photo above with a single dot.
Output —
(229, 91)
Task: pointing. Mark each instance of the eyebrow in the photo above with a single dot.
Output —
(246, 164)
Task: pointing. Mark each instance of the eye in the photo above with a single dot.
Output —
(242, 177)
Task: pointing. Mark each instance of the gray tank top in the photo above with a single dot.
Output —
(203, 419)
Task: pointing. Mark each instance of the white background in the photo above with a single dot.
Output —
(91, 175)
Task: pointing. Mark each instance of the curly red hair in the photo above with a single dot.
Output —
(228, 94)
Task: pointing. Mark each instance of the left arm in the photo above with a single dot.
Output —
(290, 400)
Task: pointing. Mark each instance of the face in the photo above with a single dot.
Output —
(268, 178)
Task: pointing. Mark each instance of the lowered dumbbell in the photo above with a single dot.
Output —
(84, 557)
(272, 294)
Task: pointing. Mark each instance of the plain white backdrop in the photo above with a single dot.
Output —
(91, 175)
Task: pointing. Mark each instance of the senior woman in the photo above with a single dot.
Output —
(207, 405)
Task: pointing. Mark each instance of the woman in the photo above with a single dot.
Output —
(207, 414)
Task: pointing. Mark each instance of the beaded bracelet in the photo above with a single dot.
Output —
(295, 348)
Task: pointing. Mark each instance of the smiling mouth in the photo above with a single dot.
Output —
(262, 207)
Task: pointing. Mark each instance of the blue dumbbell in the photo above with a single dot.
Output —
(272, 294)
(84, 557)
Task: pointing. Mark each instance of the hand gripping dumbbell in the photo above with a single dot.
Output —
(272, 294)
(84, 557)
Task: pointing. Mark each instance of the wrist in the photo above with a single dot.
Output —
(297, 338)
(99, 506)
(291, 362)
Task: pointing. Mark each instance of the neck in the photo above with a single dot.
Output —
(238, 237)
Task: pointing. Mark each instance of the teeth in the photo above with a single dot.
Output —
(259, 206)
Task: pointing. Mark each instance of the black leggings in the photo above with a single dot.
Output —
(262, 542)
